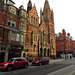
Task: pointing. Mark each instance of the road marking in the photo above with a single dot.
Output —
(14, 71)
(8, 72)
(3, 72)
(72, 73)
(65, 71)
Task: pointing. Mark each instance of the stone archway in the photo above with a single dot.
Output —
(2, 57)
(41, 51)
(45, 52)
(48, 53)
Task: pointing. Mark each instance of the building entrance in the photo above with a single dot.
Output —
(2, 55)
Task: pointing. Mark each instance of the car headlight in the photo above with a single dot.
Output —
(6, 64)
(37, 61)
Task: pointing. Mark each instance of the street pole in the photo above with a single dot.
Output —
(38, 47)
(41, 44)
(65, 46)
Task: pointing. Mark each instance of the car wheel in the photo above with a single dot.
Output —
(32, 64)
(9, 68)
(26, 66)
(40, 64)
(47, 63)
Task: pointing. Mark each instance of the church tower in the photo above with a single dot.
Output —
(46, 11)
(47, 26)
(29, 6)
(47, 14)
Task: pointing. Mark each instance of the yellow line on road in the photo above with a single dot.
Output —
(72, 73)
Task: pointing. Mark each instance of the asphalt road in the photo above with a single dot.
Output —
(58, 68)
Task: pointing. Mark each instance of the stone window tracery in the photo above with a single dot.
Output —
(31, 19)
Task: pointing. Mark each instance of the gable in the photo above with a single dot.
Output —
(33, 10)
(43, 27)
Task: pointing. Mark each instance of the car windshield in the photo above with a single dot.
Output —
(11, 60)
(44, 58)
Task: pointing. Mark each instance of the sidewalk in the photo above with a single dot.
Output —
(55, 60)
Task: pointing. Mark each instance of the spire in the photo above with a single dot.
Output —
(34, 4)
(29, 6)
(41, 16)
(46, 5)
(46, 11)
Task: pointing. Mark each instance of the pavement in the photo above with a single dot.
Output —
(55, 60)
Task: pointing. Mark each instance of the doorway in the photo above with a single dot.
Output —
(2, 56)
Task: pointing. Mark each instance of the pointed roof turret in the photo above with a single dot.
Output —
(46, 5)
(46, 11)
(29, 6)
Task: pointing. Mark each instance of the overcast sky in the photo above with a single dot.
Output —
(64, 13)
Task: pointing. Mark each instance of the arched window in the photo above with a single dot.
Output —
(31, 37)
(31, 19)
(34, 20)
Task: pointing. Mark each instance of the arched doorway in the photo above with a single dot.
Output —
(45, 52)
(41, 51)
(2, 56)
(48, 52)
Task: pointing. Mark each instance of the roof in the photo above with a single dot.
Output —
(12, 1)
(18, 58)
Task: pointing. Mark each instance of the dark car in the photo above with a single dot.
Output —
(14, 63)
(41, 61)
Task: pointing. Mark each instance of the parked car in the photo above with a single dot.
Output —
(14, 63)
(41, 61)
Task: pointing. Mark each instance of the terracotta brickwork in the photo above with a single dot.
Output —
(12, 31)
(33, 32)
(21, 35)
(47, 31)
(73, 47)
(64, 43)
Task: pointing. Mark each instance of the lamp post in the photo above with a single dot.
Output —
(38, 47)
(41, 45)
(65, 46)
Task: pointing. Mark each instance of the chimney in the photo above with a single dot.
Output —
(68, 34)
(64, 32)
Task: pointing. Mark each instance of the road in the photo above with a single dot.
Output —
(66, 67)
